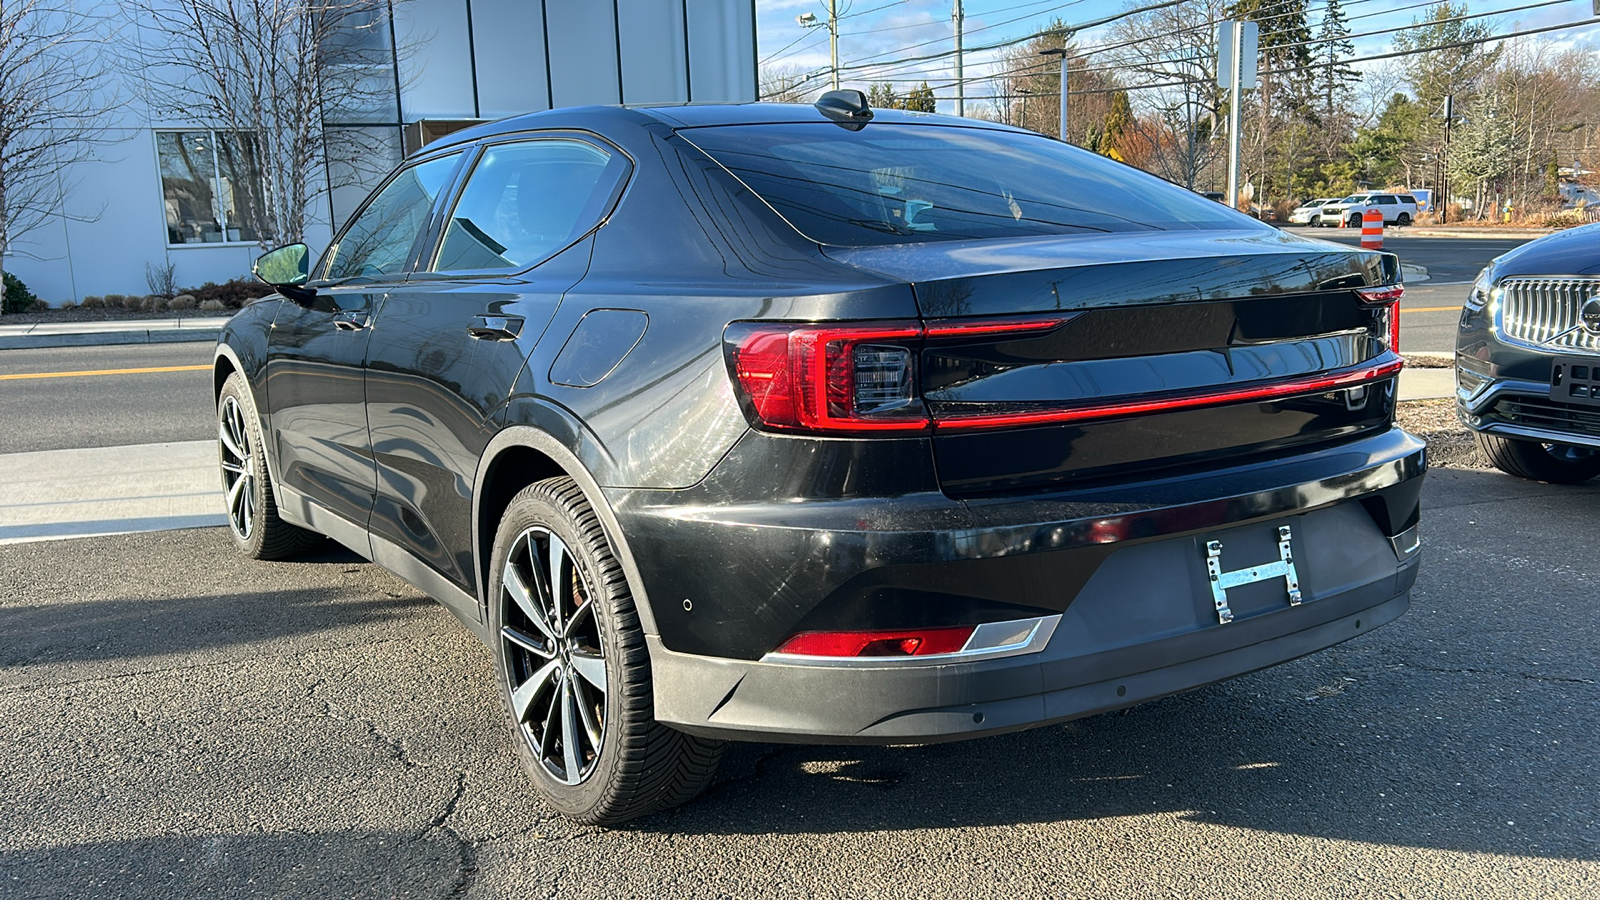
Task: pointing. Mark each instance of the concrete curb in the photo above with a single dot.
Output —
(122, 332)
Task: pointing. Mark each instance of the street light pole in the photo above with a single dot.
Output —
(1061, 130)
(961, 87)
(809, 20)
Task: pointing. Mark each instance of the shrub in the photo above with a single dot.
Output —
(232, 294)
(16, 297)
(182, 301)
(159, 278)
(212, 305)
(67, 304)
(112, 301)
(93, 301)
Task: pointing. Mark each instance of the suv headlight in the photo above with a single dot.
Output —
(1483, 290)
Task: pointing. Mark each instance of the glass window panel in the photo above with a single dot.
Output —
(359, 158)
(523, 203)
(244, 211)
(379, 240)
(188, 186)
(892, 184)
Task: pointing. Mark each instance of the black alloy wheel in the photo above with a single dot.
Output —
(1538, 461)
(1403, 220)
(573, 668)
(258, 532)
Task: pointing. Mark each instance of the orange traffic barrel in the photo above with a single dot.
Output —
(1372, 230)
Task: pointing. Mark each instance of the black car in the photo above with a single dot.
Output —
(785, 423)
(1528, 358)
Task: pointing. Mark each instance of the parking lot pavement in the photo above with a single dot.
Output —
(177, 722)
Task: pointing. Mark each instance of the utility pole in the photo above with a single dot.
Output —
(961, 87)
(833, 39)
(1236, 71)
(1444, 160)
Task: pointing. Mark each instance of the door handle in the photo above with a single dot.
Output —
(495, 328)
(351, 320)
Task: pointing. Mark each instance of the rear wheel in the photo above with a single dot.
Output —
(1555, 463)
(1403, 220)
(574, 671)
(253, 519)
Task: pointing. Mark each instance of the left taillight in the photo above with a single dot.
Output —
(1386, 299)
(828, 379)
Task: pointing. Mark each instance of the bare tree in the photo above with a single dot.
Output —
(270, 75)
(786, 84)
(52, 109)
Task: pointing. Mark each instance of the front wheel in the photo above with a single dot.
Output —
(258, 532)
(574, 671)
(1355, 221)
(1554, 463)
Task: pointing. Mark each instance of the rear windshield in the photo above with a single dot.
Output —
(894, 184)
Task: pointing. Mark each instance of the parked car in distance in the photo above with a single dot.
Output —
(1528, 358)
(1307, 212)
(824, 424)
(1218, 196)
(1397, 209)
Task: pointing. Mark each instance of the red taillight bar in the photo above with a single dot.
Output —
(847, 644)
(1276, 391)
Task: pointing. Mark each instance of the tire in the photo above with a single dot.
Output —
(578, 654)
(1554, 463)
(1403, 220)
(253, 520)
(1355, 221)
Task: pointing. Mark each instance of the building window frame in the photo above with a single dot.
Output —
(230, 233)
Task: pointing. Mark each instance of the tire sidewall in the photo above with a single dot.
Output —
(538, 506)
(234, 387)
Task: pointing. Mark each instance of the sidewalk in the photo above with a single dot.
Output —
(121, 331)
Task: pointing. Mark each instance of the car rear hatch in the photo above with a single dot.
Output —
(1049, 361)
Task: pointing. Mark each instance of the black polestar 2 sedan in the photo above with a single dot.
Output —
(1528, 358)
(820, 424)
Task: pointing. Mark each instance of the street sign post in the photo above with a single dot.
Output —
(1236, 72)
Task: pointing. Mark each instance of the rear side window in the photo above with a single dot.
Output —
(526, 201)
(1387, 201)
(379, 239)
(1407, 198)
(895, 183)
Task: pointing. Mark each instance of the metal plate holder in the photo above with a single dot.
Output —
(1221, 581)
(1575, 380)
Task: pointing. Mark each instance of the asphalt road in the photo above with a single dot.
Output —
(105, 410)
(178, 722)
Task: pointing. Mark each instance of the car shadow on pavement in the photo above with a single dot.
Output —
(345, 864)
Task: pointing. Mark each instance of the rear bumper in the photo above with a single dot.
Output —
(1136, 617)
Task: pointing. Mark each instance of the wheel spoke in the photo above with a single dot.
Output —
(522, 698)
(590, 726)
(236, 503)
(526, 642)
(578, 616)
(518, 589)
(232, 468)
(569, 731)
(249, 503)
(592, 668)
(558, 582)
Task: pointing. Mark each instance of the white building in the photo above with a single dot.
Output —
(162, 190)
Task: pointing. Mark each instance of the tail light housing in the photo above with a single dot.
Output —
(1386, 301)
(912, 642)
(837, 378)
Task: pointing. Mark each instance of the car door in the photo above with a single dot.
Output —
(1389, 206)
(316, 395)
(450, 342)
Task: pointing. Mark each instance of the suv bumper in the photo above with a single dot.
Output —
(1141, 625)
(1504, 388)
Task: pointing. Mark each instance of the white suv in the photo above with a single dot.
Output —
(1397, 209)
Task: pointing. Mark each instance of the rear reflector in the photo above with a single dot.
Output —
(921, 642)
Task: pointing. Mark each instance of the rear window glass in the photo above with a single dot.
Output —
(892, 184)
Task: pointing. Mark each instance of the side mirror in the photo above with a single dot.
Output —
(287, 268)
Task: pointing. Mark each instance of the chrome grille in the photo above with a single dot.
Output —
(1544, 312)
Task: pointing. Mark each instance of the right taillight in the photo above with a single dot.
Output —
(843, 379)
(1387, 300)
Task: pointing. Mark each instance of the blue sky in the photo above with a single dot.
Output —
(889, 29)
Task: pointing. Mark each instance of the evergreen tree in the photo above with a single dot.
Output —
(920, 99)
(1333, 77)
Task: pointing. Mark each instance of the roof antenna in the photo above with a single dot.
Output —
(847, 108)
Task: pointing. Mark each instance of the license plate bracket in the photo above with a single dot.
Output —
(1221, 581)
(1575, 380)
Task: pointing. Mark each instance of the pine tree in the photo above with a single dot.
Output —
(1334, 76)
(920, 99)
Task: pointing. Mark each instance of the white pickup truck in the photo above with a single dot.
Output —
(1397, 209)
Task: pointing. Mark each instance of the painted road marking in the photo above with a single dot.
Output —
(26, 375)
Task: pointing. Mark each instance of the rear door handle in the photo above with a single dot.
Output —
(351, 320)
(495, 328)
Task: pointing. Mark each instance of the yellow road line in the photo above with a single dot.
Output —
(26, 375)
(1431, 309)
